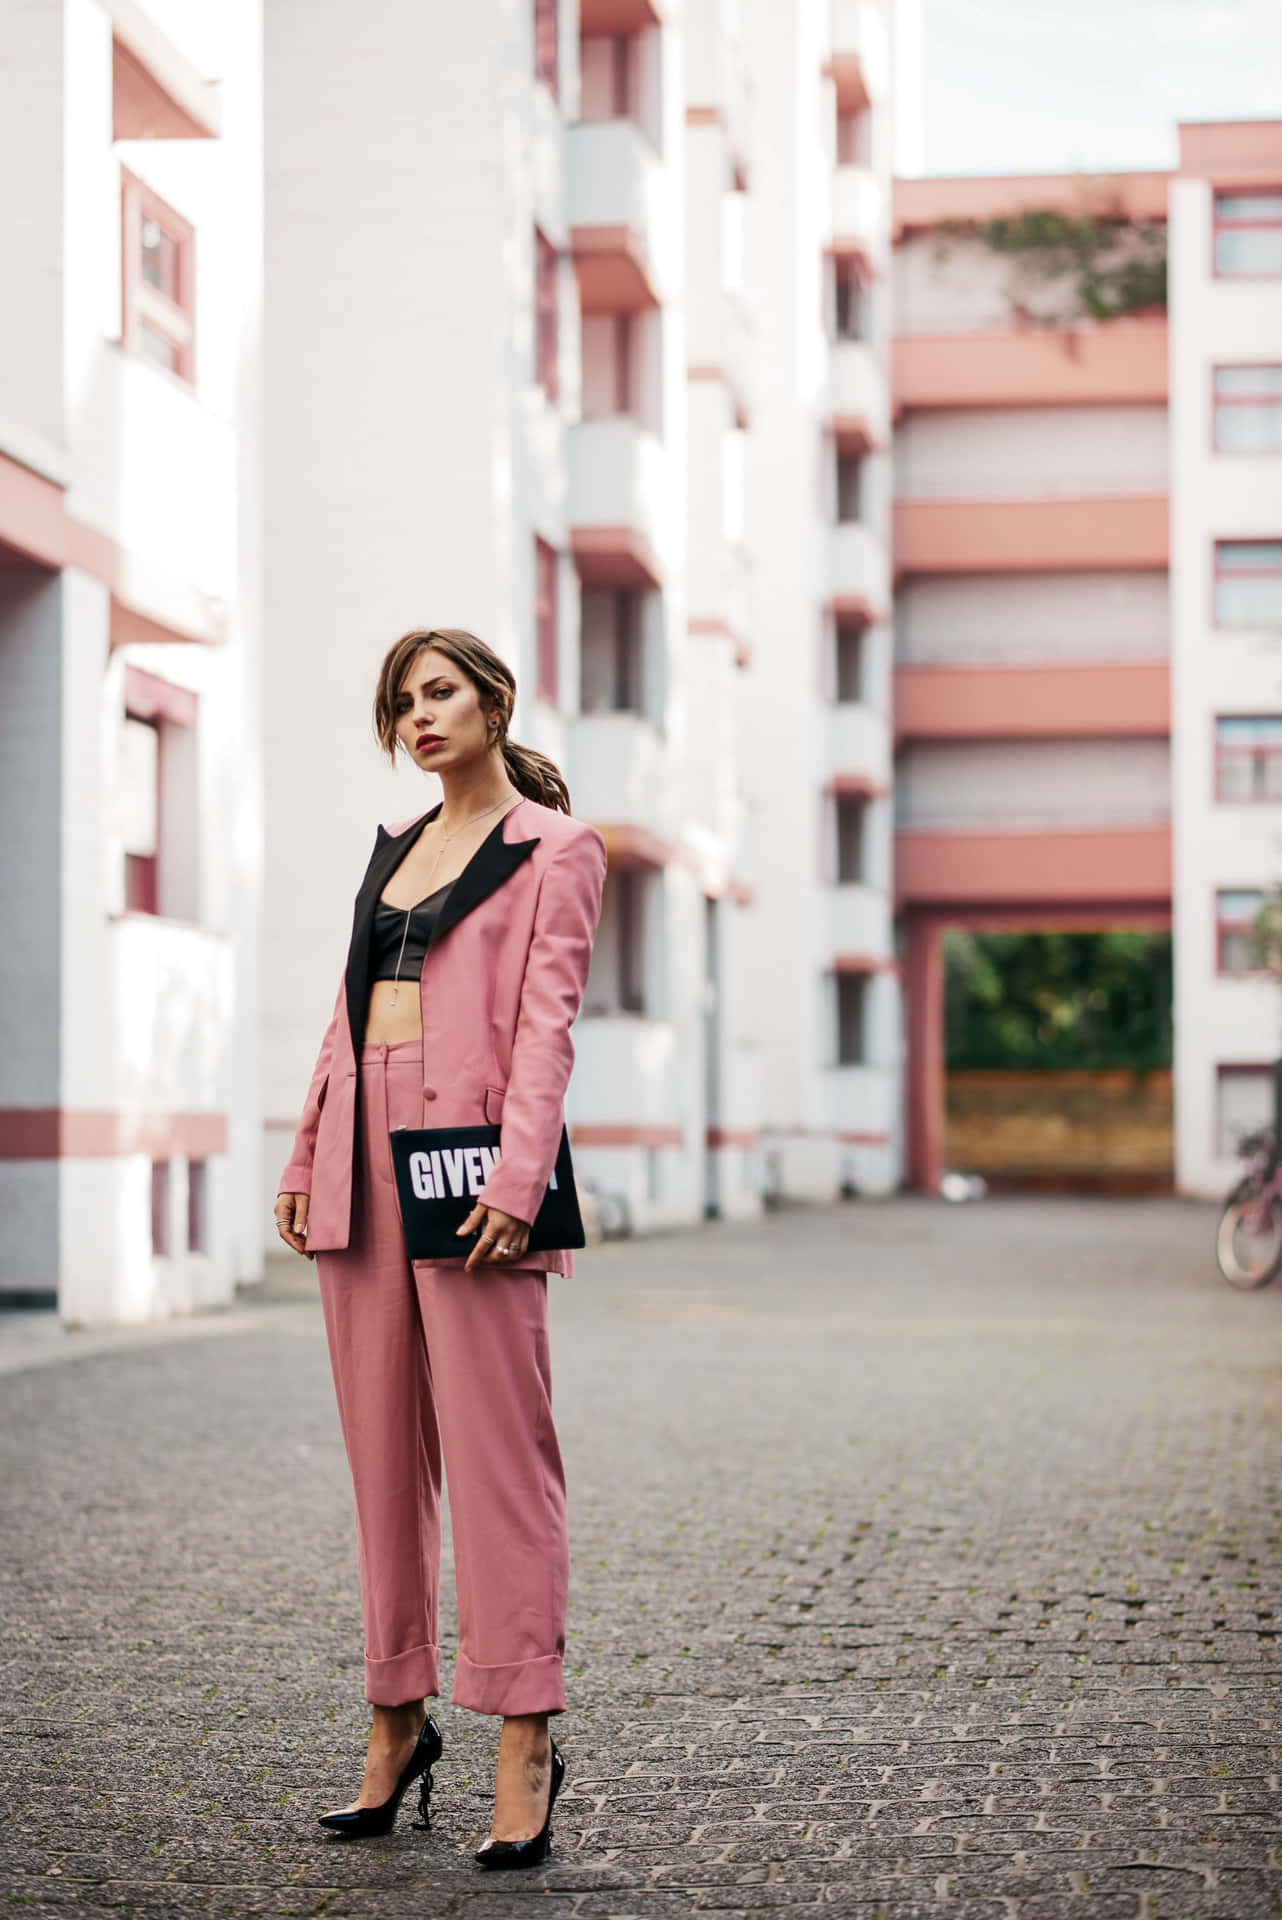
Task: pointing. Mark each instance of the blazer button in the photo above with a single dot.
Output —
(429, 1093)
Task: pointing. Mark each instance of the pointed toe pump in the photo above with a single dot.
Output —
(496, 1855)
(361, 1823)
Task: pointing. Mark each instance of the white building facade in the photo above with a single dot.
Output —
(129, 1179)
(1226, 598)
(487, 423)
(822, 982)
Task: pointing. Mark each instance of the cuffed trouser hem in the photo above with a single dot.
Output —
(406, 1676)
(527, 1686)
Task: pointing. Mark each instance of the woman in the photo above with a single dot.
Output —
(469, 954)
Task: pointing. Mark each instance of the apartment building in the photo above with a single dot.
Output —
(129, 1144)
(822, 980)
(1226, 603)
(481, 406)
(1032, 662)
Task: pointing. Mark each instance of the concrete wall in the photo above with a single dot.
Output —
(1022, 785)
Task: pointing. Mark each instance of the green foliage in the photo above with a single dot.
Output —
(1058, 1000)
(1114, 265)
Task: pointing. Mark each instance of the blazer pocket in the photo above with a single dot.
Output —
(494, 1105)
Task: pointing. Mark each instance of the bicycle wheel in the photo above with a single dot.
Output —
(1249, 1251)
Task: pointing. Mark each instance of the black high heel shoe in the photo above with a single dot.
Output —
(498, 1854)
(363, 1822)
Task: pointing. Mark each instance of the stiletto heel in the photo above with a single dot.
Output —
(497, 1854)
(425, 1801)
(363, 1822)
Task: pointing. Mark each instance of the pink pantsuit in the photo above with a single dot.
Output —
(433, 1365)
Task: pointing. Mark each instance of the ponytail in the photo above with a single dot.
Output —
(535, 776)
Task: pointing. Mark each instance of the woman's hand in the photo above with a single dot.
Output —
(503, 1237)
(291, 1221)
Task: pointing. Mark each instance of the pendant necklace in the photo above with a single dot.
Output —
(396, 988)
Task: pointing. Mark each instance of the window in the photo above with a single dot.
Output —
(547, 648)
(621, 70)
(1248, 234)
(850, 661)
(157, 797)
(852, 137)
(546, 328)
(850, 317)
(1248, 758)
(546, 44)
(1244, 1104)
(611, 651)
(1248, 409)
(1248, 583)
(852, 1006)
(196, 1198)
(1235, 911)
(850, 468)
(157, 303)
(630, 885)
(140, 810)
(160, 1208)
(852, 818)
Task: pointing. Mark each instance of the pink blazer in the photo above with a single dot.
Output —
(502, 982)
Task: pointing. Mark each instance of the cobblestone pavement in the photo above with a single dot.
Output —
(925, 1562)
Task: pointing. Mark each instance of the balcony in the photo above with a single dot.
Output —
(620, 523)
(862, 1103)
(857, 397)
(736, 352)
(857, 923)
(1031, 536)
(717, 84)
(859, 583)
(620, 779)
(858, 748)
(859, 216)
(1123, 700)
(860, 55)
(628, 1082)
(621, 234)
(1118, 362)
(1124, 867)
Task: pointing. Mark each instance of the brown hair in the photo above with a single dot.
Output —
(531, 773)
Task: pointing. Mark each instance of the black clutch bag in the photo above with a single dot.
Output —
(441, 1170)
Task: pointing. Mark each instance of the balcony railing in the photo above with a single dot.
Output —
(859, 215)
(618, 500)
(860, 570)
(858, 391)
(621, 230)
(620, 773)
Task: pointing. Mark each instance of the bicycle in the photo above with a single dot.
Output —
(1248, 1241)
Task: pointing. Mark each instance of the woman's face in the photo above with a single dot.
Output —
(440, 721)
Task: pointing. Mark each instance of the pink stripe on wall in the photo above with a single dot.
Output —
(1131, 864)
(1031, 536)
(588, 1135)
(1120, 700)
(60, 1133)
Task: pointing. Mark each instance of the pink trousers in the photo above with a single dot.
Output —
(434, 1366)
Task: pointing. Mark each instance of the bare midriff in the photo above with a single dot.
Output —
(395, 1012)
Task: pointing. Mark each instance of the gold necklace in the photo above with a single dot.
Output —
(445, 841)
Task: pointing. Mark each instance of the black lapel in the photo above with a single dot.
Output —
(494, 861)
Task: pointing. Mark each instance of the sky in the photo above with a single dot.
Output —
(1048, 86)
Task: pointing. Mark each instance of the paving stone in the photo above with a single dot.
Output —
(925, 1562)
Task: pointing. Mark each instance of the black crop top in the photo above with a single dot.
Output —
(390, 931)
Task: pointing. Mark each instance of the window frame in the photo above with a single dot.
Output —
(1229, 929)
(1258, 751)
(547, 316)
(1220, 572)
(547, 643)
(1218, 401)
(141, 304)
(1219, 225)
(547, 44)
